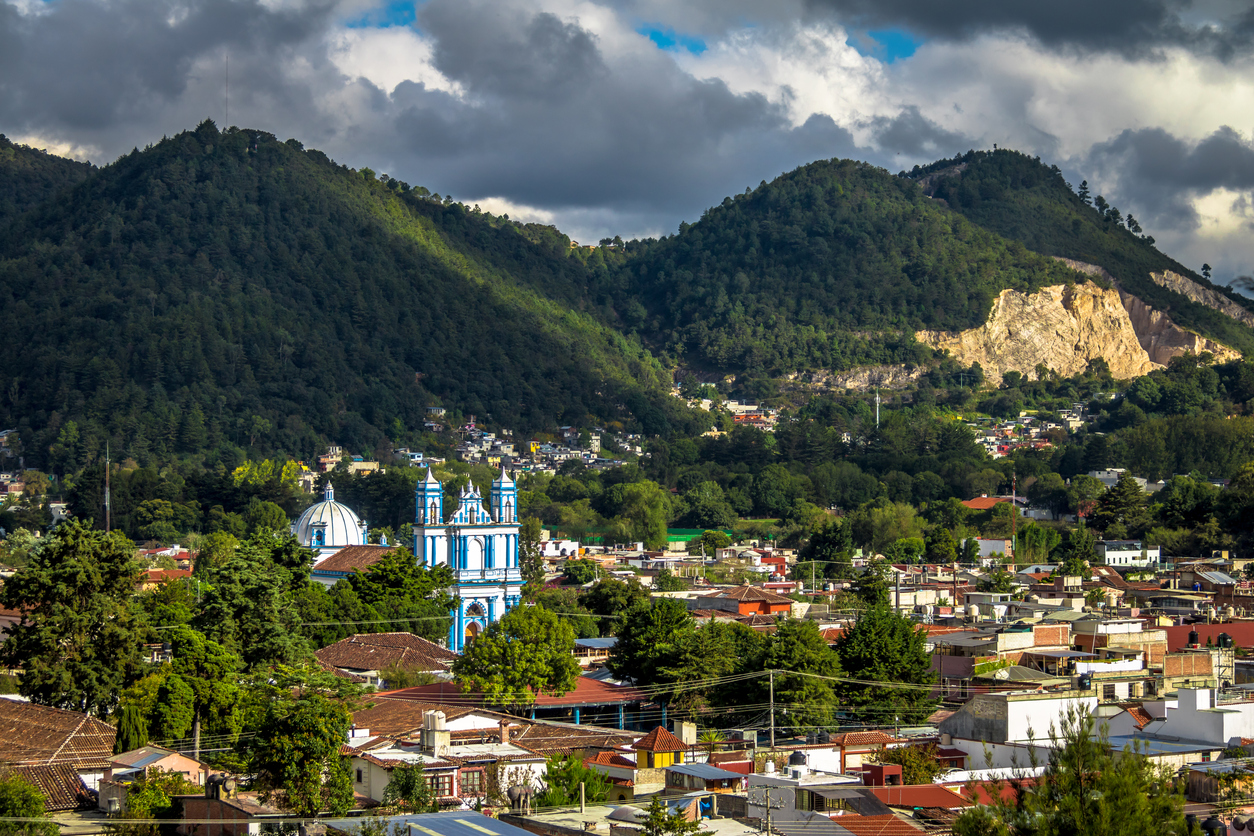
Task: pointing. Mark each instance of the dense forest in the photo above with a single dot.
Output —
(29, 176)
(224, 296)
(220, 291)
(832, 265)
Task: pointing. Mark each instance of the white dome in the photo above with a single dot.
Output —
(334, 521)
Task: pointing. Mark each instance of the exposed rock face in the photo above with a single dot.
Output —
(1204, 296)
(865, 378)
(1062, 327)
(1087, 269)
(1162, 339)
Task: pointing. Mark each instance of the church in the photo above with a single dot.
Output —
(480, 545)
(478, 542)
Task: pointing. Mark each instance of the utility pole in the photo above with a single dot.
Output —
(896, 588)
(954, 603)
(768, 810)
(768, 806)
(1014, 516)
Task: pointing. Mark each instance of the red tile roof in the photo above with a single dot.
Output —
(1139, 715)
(394, 717)
(919, 795)
(887, 825)
(60, 785)
(349, 558)
(609, 759)
(376, 651)
(332, 669)
(752, 594)
(36, 734)
(164, 575)
(660, 740)
(587, 692)
(867, 738)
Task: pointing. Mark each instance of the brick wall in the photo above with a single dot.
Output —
(1187, 664)
(1052, 635)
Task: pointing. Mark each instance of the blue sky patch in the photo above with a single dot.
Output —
(888, 45)
(397, 13)
(669, 39)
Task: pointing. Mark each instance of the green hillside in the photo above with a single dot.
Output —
(1022, 199)
(29, 176)
(832, 265)
(220, 291)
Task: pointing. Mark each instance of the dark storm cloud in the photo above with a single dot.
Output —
(548, 120)
(1126, 26)
(913, 134)
(1162, 173)
(79, 65)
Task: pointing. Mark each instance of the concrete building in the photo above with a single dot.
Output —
(1129, 554)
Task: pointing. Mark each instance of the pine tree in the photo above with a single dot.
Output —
(78, 645)
(1088, 789)
(885, 647)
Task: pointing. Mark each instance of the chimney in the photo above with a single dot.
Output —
(686, 732)
(504, 731)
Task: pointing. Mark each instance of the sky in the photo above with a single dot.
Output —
(626, 118)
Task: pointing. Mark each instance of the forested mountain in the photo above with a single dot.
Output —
(29, 176)
(1020, 198)
(220, 290)
(832, 265)
(224, 294)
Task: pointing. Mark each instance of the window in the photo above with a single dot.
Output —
(359, 776)
(1108, 692)
(441, 784)
(1206, 757)
(472, 783)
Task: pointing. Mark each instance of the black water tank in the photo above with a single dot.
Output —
(1086, 681)
(1194, 638)
(1214, 827)
(797, 759)
(1225, 640)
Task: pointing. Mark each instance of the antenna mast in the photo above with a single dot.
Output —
(227, 121)
(108, 504)
(877, 407)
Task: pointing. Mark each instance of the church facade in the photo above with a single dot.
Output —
(479, 543)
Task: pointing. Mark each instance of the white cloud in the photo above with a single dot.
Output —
(70, 150)
(516, 211)
(808, 69)
(387, 57)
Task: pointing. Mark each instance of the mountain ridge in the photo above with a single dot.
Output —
(223, 294)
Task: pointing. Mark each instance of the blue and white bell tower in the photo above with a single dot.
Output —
(480, 545)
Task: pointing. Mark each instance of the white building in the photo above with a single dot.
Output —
(1132, 554)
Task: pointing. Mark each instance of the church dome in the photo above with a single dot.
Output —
(329, 524)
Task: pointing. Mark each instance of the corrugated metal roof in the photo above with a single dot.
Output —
(703, 771)
(605, 643)
(1220, 578)
(455, 823)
